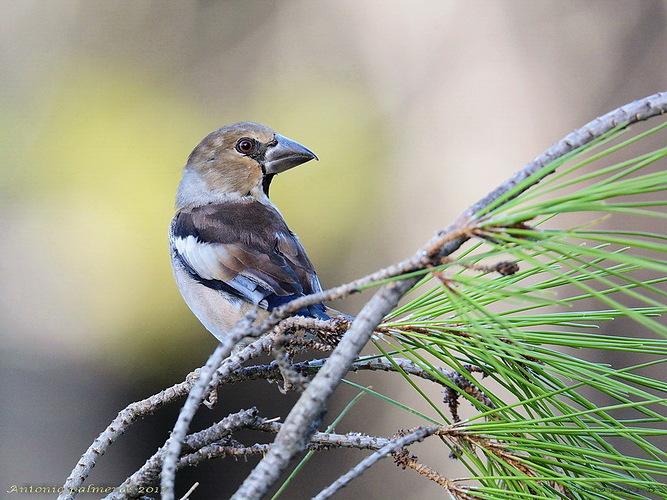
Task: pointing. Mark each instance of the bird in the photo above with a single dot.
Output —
(231, 249)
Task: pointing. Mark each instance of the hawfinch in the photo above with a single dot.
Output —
(231, 249)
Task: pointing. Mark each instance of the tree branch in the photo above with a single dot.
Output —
(214, 368)
(371, 460)
(147, 406)
(148, 473)
(205, 445)
(115, 429)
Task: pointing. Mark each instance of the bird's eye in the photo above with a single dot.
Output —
(245, 145)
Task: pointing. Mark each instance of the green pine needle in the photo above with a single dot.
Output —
(550, 423)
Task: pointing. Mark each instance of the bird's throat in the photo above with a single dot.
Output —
(266, 182)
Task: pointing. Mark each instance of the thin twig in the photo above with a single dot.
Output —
(115, 429)
(329, 439)
(405, 460)
(369, 461)
(190, 491)
(206, 382)
(396, 364)
(148, 473)
(206, 445)
(137, 410)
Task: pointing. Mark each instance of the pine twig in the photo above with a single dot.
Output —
(148, 473)
(371, 460)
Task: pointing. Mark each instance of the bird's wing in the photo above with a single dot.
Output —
(244, 247)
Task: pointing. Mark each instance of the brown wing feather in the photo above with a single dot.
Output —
(249, 239)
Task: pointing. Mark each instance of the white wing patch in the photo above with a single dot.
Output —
(199, 256)
(206, 260)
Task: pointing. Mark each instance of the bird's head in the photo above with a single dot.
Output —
(237, 160)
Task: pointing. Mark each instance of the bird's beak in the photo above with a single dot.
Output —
(286, 154)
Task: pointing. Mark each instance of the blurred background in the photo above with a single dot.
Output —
(415, 109)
